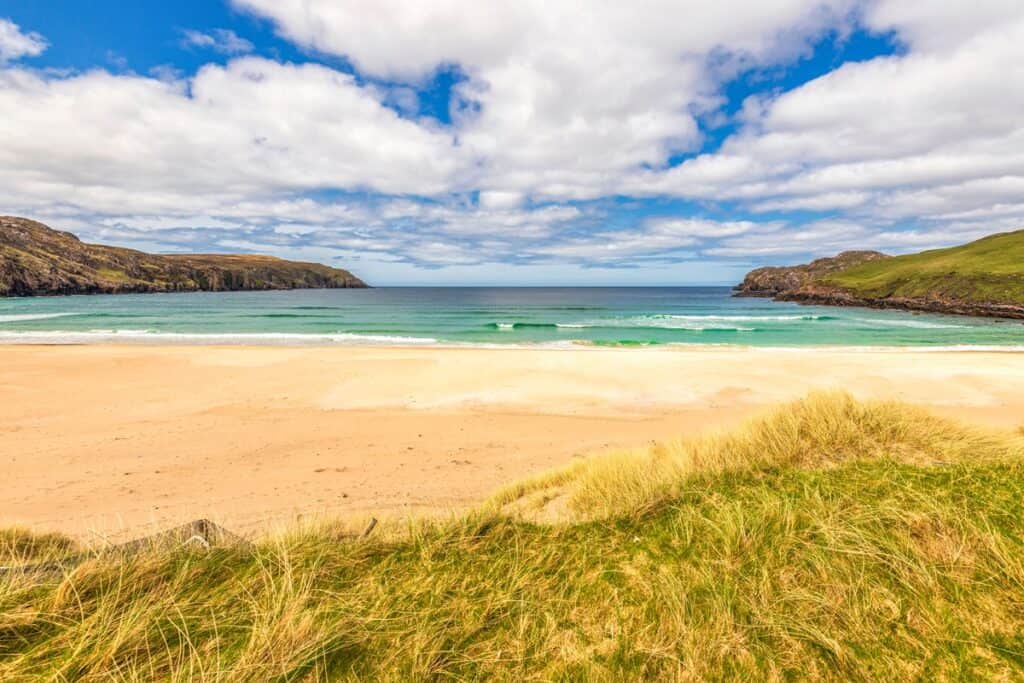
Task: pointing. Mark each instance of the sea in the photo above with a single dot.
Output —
(570, 318)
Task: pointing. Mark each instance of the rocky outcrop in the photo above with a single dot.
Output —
(777, 281)
(826, 295)
(36, 260)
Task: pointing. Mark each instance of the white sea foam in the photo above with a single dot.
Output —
(21, 317)
(696, 323)
(693, 323)
(915, 324)
(130, 336)
(738, 318)
(239, 338)
(382, 339)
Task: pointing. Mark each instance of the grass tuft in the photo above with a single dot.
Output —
(822, 431)
(21, 546)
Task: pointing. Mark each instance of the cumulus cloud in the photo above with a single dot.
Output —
(560, 113)
(220, 40)
(933, 26)
(568, 97)
(914, 136)
(251, 127)
(14, 43)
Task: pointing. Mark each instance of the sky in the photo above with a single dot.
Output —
(537, 142)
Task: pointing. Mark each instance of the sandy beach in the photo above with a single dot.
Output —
(112, 441)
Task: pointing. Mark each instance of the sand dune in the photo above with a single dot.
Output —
(116, 440)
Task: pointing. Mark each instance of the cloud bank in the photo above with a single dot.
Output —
(595, 137)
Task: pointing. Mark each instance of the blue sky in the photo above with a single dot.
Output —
(521, 144)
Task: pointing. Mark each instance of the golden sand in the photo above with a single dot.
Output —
(117, 440)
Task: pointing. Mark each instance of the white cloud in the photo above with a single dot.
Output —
(904, 137)
(934, 26)
(558, 103)
(569, 97)
(252, 127)
(696, 227)
(507, 222)
(429, 234)
(500, 200)
(816, 202)
(829, 237)
(15, 44)
(219, 40)
(662, 237)
(403, 99)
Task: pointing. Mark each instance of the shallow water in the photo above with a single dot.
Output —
(485, 316)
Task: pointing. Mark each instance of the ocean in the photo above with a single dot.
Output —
(550, 316)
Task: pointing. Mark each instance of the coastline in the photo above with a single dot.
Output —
(115, 439)
(835, 298)
(342, 340)
(840, 299)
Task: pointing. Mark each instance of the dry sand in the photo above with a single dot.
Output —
(115, 441)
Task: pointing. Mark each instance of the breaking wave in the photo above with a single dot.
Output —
(22, 317)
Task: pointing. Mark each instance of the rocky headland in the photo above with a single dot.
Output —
(780, 281)
(36, 260)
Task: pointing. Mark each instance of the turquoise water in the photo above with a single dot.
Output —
(484, 316)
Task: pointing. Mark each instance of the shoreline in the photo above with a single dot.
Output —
(119, 439)
(841, 299)
(300, 340)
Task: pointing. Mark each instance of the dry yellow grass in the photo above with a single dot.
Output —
(830, 540)
(822, 431)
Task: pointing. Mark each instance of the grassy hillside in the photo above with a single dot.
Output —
(829, 540)
(990, 270)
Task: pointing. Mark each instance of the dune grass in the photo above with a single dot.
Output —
(830, 540)
(823, 431)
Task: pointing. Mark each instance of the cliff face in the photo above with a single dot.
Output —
(36, 260)
(983, 278)
(776, 281)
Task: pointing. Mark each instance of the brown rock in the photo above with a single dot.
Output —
(36, 260)
(776, 281)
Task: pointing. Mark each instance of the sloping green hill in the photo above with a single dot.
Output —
(983, 278)
(989, 271)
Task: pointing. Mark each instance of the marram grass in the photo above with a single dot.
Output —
(823, 431)
(830, 540)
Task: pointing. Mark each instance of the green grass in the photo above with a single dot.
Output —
(990, 270)
(829, 540)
